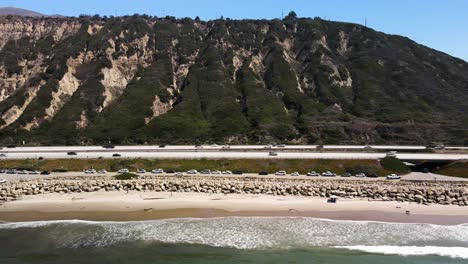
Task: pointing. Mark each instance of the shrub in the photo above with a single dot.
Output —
(361, 169)
(126, 176)
(395, 165)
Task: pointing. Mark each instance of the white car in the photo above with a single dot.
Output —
(123, 171)
(90, 171)
(295, 173)
(141, 171)
(313, 173)
(192, 172)
(328, 174)
(280, 173)
(102, 171)
(216, 172)
(393, 177)
(3, 181)
(22, 172)
(158, 171)
(180, 174)
(391, 154)
(268, 146)
(360, 175)
(35, 172)
(227, 172)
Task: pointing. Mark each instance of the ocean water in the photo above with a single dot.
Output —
(232, 240)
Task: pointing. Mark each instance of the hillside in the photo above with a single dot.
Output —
(4, 11)
(141, 79)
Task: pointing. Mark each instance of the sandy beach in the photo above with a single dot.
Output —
(132, 206)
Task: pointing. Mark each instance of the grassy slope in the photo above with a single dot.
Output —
(302, 166)
(459, 169)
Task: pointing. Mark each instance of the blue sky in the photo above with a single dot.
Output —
(440, 24)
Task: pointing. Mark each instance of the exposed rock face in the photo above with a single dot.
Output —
(143, 79)
(422, 193)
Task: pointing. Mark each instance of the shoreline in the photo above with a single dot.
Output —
(138, 206)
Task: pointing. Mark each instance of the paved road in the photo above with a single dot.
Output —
(195, 154)
(414, 176)
(215, 147)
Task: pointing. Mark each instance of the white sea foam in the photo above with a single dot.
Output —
(452, 252)
(256, 233)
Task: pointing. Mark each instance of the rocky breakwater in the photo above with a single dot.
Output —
(418, 192)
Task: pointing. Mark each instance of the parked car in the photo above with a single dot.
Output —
(3, 181)
(193, 171)
(123, 171)
(272, 153)
(2, 170)
(11, 171)
(360, 175)
(90, 171)
(141, 171)
(205, 172)
(162, 146)
(313, 173)
(263, 173)
(347, 174)
(45, 172)
(227, 172)
(295, 173)
(22, 172)
(238, 172)
(280, 173)
(328, 174)
(109, 146)
(372, 175)
(216, 172)
(2, 155)
(281, 146)
(158, 171)
(393, 177)
(116, 155)
(71, 153)
(180, 174)
(35, 172)
(170, 171)
(268, 147)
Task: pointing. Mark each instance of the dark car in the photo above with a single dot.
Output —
(109, 146)
(372, 175)
(263, 173)
(116, 155)
(346, 175)
(170, 171)
(11, 146)
(238, 172)
(71, 153)
(45, 172)
(162, 146)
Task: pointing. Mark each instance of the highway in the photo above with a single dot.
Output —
(138, 148)
(223, 152)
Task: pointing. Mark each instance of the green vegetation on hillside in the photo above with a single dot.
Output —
(458, 169)
(294, 80)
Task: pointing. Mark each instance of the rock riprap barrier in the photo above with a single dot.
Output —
(445, 193)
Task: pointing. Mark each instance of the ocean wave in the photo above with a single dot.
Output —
(452, 252)
(243, 233)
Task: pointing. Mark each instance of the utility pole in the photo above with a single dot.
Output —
(365, 22)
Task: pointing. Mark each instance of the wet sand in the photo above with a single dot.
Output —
(137, 206)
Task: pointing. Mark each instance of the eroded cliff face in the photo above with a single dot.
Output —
(144, 79)
(17, 28)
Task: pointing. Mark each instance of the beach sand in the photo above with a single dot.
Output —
(136, 206)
